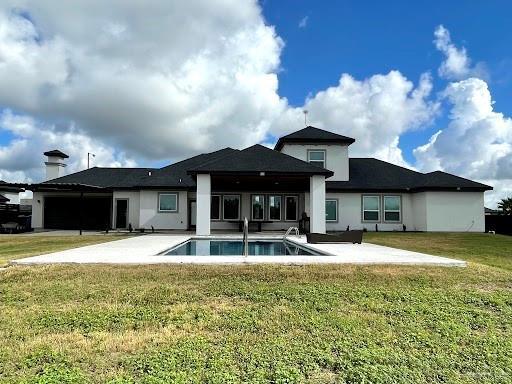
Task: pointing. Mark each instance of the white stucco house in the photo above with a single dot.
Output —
(309, 172)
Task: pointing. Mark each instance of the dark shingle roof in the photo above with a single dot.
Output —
(312, 135)
(9, 187)
(257, 159)
(368, 174)
(56, 153)
(3, 199)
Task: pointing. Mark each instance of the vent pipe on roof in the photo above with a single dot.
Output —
(55, 164)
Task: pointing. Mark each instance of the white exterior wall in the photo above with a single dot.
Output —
(54, 167)
(37, 210)
(317, 203)
(336, 156)
(203, 201)
(150, 216)
(350, 213)
(133, 206)
(419, 211)
(455, 211)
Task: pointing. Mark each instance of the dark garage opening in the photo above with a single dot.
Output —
(64, 212)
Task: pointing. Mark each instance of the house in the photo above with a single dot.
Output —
(308, 171)
(9, 194)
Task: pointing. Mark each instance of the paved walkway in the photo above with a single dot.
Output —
(146, 249)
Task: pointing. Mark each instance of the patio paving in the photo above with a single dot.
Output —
(145, 250)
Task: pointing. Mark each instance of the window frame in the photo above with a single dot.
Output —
(384, 210)
(239, 206)
(220, 207)
(263, 206)
(378, 210)
(176, 194)
(337, 208)
(280, 208)
(296, 209)
(317, 161)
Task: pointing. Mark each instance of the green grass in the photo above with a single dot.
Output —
(493, 250)
(17, 246)
(259, 324)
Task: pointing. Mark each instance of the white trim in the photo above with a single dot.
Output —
(263, 206)
(224, 211)
(384, 210)
(337, 206)
(296, 208)
(160, 194)
(370, 210)
(280, 207)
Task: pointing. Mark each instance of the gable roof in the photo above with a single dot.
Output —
(368, 174)
(56, 153)
(312, 135)
(256, 159)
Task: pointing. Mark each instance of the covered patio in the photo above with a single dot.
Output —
(262, 185)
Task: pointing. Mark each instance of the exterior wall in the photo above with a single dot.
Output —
(336, 156)
(133, 206)
(350, 213)
(455, 211)
(150, 216)
(203, 201)
(317, 204)
(419, 210)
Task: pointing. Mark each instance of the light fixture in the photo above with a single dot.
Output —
(262, 173)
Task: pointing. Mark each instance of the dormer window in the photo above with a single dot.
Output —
(317, 157)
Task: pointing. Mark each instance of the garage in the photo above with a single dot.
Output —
(64, 212)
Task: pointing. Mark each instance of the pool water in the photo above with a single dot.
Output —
(204, 247)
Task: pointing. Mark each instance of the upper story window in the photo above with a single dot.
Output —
(317, 157)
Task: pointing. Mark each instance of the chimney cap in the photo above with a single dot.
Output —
(56, 153)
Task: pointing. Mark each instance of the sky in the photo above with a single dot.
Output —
(425, 85)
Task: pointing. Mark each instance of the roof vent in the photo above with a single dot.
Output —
(149, 173)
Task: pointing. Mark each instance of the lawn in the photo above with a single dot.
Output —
(16, 246)
(259, 324)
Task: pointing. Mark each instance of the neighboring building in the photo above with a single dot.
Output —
(9, 194)
(308, 171)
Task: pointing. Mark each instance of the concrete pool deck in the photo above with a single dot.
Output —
(145, 250)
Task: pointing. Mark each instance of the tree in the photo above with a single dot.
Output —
(505, 206)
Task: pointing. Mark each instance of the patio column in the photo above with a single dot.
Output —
(317, 203)
(203, 199)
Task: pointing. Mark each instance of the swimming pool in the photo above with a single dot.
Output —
(217, 247)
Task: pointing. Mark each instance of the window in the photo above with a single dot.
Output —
(231, 205)
(258, 207)
(274, 208)
(215, 208)
(371, 208)
(290, 208)
(331, 210)
(392, 208)
(168, 202)
(317, 157)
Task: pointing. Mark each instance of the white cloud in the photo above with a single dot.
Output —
(199, 76)
(23, 159)
(375, 111)
(457, 65)
(303, 22)
(477, 143)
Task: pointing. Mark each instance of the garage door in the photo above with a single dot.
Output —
(64, 212)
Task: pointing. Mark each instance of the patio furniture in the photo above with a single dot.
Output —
(353, 237)
(251, 222)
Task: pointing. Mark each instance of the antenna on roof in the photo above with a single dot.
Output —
(305, 112)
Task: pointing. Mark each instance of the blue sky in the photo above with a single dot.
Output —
(364, 38)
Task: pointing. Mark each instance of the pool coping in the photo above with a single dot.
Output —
(145, 249)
